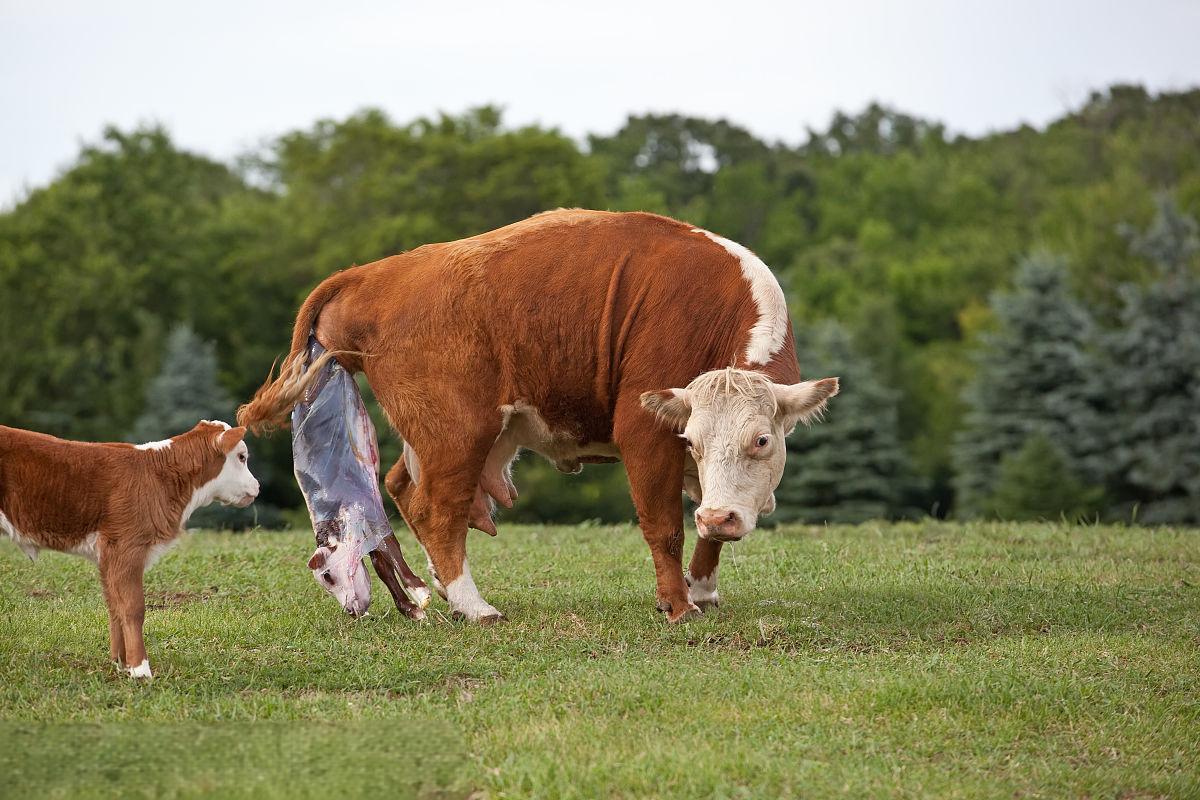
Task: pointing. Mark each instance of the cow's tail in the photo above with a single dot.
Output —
(268, 410)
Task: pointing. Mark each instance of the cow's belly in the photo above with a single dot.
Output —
(524, 428)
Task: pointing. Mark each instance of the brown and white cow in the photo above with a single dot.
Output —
(584, 336)
(120, 505)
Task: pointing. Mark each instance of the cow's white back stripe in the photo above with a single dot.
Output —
(767, 335)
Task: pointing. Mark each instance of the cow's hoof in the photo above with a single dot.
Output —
(663, 606)
(686, 614)
(490, 618)
(706, 605)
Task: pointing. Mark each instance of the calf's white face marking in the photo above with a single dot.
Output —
(337, 568)
(235, 486)
(734, 423)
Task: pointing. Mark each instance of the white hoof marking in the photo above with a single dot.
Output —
(142, 670)
(703, 591)
(465, 599)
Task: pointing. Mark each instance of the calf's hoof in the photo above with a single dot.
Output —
(421, 596)
(142, 670)
(706, 605)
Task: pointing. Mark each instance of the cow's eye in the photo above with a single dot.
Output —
(325, 576)
(242, 457)
(686, 442)
(762, 441)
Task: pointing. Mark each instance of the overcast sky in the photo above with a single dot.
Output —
(223, 76)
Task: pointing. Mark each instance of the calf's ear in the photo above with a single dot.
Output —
(672, 406)
(317, 561)
(804, 401)
(229, 439)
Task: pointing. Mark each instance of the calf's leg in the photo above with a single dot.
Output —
(387, 573)
(121, 570)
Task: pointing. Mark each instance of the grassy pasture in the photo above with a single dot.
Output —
(912, 660)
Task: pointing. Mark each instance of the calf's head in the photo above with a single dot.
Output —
(338, 569)
(733, 424)
(234, 485)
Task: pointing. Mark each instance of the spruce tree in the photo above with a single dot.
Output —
(1037, 483)
(1033, 377)
(851, 466)
(1153, 378)
(184, 391)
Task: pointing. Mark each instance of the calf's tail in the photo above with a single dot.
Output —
(268, 410)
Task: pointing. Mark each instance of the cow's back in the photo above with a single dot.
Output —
(568, 311)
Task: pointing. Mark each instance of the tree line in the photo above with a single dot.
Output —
(1014, 316)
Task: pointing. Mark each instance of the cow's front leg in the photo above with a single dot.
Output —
(654, 464)
(701, 576)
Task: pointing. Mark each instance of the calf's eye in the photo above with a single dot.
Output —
(325, 576)
(762, 441)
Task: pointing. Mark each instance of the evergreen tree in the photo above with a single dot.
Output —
(851, 467)
(1037, 483)
(184, 391)
(1033, 377)
(1153, 378)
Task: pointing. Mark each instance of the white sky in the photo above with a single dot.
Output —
(223, 76)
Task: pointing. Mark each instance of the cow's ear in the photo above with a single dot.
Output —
(317, 561)
(672, 406)
(803, 402)
(229, 439)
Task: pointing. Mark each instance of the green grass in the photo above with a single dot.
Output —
(909, 660)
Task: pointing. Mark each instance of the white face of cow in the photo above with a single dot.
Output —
(734, 423)
(338, 569)
(235, 486)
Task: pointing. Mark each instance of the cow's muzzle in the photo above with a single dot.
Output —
(720, 524)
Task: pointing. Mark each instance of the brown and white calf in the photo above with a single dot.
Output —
(584, 336)
(120, 505)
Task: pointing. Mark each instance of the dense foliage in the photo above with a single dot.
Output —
(883, 222)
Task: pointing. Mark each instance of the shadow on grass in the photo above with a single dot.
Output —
(241, 759)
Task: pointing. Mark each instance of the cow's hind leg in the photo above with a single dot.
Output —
(440, 508)
(401, 486)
